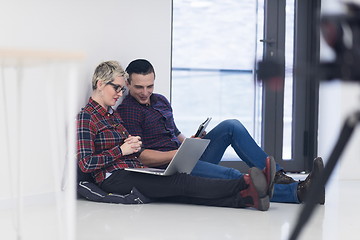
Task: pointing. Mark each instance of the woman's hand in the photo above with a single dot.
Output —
(131, 145)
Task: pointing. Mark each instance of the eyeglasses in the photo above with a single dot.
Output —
(117, 87)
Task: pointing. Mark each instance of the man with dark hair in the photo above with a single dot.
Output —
(149, 115)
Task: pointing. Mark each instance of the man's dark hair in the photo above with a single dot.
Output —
(139, 66)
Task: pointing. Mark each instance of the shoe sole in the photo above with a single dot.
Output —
(270, 176)
(259, 182)
(319, 163)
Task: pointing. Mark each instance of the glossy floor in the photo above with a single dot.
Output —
(337, 219)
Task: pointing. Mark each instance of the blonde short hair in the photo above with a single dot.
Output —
(107, 71)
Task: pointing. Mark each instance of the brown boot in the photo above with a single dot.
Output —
(303, 187)
(282, 178)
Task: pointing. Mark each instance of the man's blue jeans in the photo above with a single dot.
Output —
(232, 132)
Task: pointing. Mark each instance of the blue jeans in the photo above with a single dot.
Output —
(232, 132)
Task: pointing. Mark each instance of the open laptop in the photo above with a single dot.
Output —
(183, 161)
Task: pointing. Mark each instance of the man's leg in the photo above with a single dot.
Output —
(286, 193)
(210, 170)
(232, 132)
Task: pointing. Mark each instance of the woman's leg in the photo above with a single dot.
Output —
(255, 195)
(211, 170)
(153, 186)
(196, 190)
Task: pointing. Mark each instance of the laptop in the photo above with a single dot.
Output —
(183, 161)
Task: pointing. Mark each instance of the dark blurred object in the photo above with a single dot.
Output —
(342, 34)
(272, 72)
(270, 69)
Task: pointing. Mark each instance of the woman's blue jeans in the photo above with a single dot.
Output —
(232, 132)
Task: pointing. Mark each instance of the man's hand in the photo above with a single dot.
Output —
(202, 135)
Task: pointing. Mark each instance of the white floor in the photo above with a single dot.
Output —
(337, 219)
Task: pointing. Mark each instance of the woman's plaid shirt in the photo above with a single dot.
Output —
(99, 137)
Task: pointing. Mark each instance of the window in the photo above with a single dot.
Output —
(288, 84)
(215, 46)
(213, 59)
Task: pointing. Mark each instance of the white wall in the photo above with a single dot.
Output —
(100, 30)
(109, 29)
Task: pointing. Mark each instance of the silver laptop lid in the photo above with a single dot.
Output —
(187, 155)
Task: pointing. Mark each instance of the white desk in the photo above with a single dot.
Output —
(38, 110)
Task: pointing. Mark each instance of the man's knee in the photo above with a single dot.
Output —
(233, 124)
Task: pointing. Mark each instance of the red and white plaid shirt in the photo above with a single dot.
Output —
(99, 137)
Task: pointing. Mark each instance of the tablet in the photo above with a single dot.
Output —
(202, 127)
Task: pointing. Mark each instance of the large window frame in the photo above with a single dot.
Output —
(305, 87)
